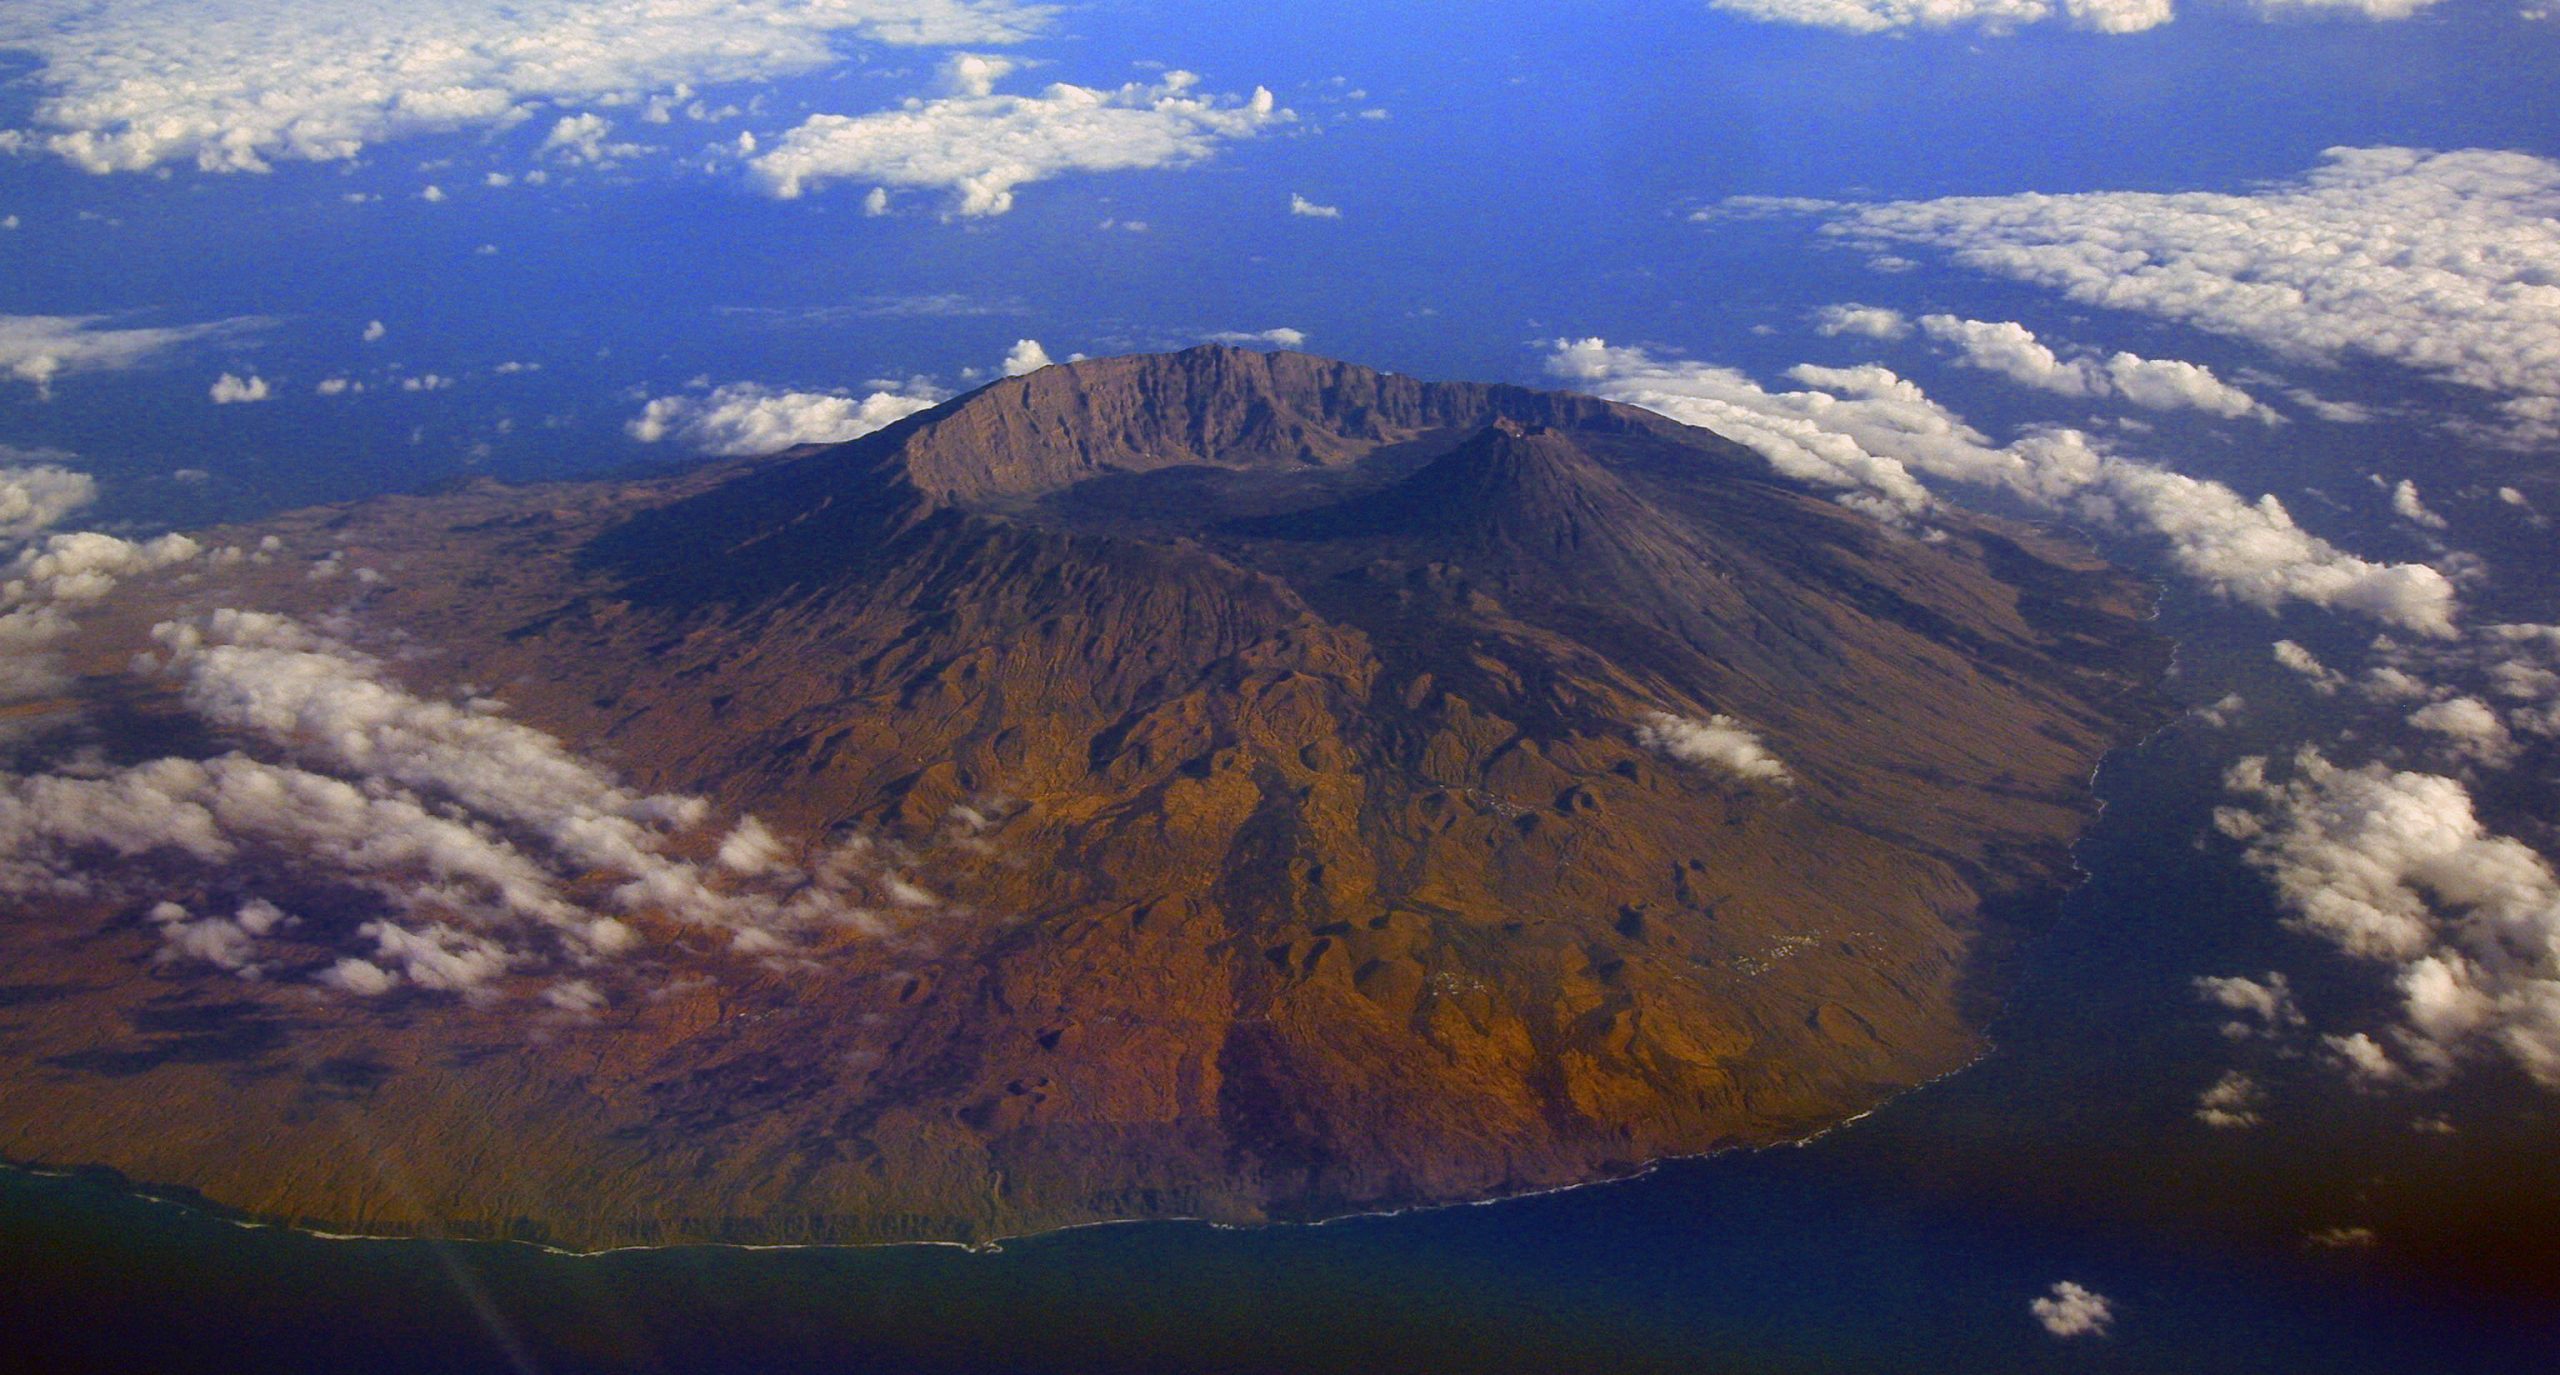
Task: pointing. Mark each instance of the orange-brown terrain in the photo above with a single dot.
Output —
(1248, 783)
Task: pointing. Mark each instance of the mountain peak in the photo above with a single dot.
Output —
(1527, 487)
(1318, 862)
(1214, 406)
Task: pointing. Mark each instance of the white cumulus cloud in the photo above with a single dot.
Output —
(1883, 16)
(1871, 435)
(36, 496)
(2363, 9)
(2447, 263)
(2260, 1007)
(36, 349)
(1718, 742)
(229, 390)
(2231, 1103)
(485, 847)
(2006, 16)
(980, 146)
(1868, 322)
(1026, 356)
(2014, 351)
(2073, 1311)
(130, 85)
(1282, 337)
(2407, 505)
(2395, 867)
(745, 418)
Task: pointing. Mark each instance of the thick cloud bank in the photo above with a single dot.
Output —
(1871, 435)
(129, 85)
(980, 146)
(2448, 263)
(2395, 867)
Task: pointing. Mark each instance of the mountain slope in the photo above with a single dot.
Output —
(1289, 759)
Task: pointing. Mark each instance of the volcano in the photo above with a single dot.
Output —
(1310, 790)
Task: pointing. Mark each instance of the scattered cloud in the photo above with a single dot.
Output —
(2447, 263)
(577, 136)
(2119, 16)
(227, 943)
(2261, 1007)
(1301, 206)
(2396, 868)
(2323, 679)
(1870, 435)
(1026, 356)
(2222, 711)
(581, 138)
(475, 847)
(1813, 436)
(1888, 16)
(1866, 322)
(980, 146)
(2406, 504)
(2232, 1103)
(38, 349)
(2072, 1311)
(1763, 208)
(1718, 742)
(2364, 9)
(922, 305)
(230, 390)
(132, 85)
(47, 579)
(2325, 408)
(37, 496)
(1283, 337)
(2007, 16)
(745, 418)
(85, 565)
(2014, 351)
(2472, 726)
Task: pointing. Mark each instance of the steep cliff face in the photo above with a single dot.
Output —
(1326, 781)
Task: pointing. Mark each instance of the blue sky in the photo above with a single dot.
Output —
(1537, 185)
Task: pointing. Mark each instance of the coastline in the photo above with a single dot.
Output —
(187, 1200)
